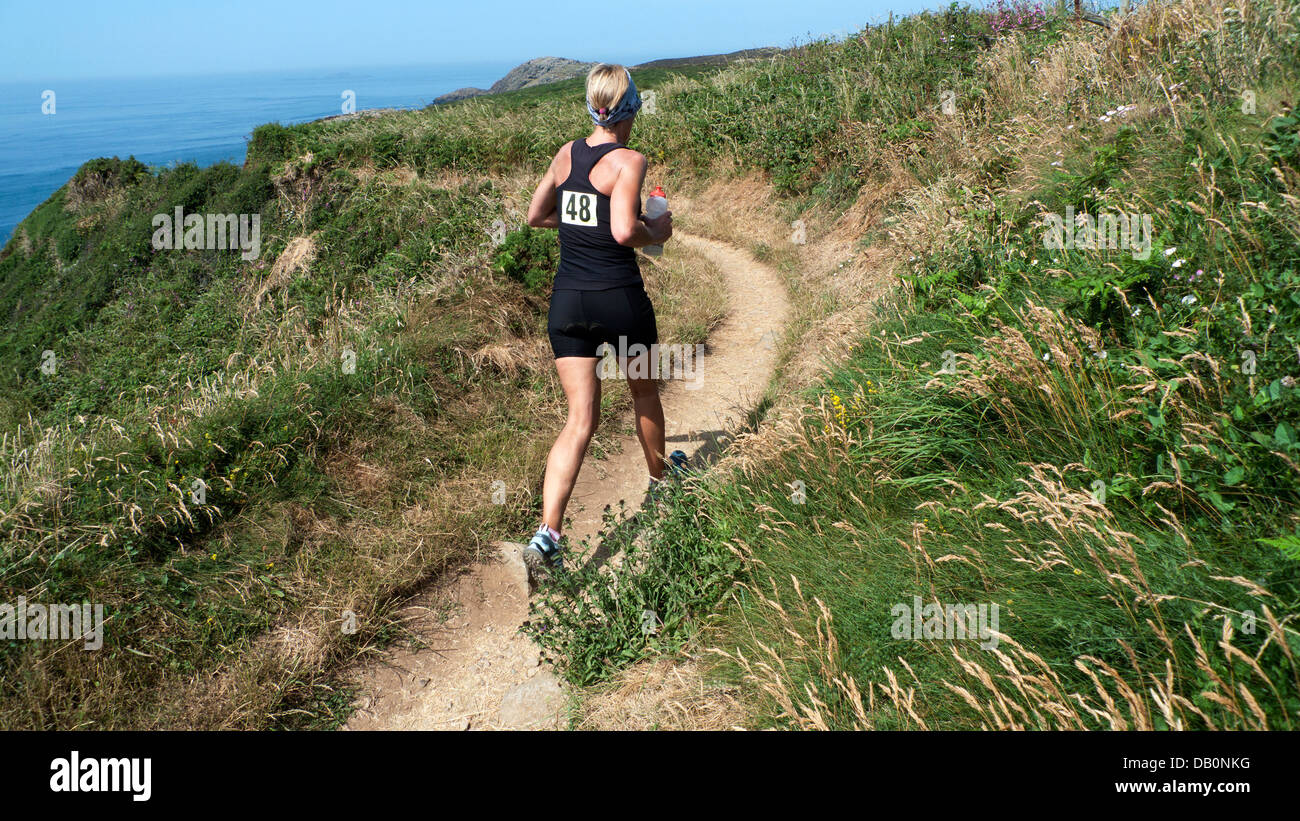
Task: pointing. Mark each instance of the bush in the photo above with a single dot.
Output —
(270, 144)
(529, 256)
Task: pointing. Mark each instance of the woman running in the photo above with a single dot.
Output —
(592, 194)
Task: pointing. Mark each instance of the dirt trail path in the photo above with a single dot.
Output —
(479, 671)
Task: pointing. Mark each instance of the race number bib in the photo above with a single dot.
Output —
(577, 208)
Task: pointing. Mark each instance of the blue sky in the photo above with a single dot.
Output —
(115, 38)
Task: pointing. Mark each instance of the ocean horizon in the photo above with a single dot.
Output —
(204, 119)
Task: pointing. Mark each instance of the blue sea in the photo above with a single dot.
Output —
(200, 119)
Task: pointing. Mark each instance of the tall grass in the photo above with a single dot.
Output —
(1098, 465)
(1132, 514)
(1077, 437)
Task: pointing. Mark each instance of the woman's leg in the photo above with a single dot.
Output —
(649, 422)
(582, 388)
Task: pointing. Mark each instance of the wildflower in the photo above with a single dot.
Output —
(1190, 299)
(1288, 381)
(1178, 263)
(1136, 311)
(1169, 252)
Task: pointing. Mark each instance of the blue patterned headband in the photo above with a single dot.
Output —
(626, 107)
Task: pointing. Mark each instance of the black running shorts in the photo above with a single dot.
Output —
(580, 321)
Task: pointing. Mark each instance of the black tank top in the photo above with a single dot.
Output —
(590, 259)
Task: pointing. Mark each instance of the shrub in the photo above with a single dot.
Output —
(529, 256)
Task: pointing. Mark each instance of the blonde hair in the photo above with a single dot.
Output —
(606, 85)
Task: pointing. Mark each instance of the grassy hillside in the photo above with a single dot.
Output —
(1103, 446)
(233, 455)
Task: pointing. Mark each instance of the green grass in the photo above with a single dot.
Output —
(1132, 515)
(330, 490)
(324, 489)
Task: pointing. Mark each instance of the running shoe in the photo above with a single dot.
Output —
(677, 463)
(542, 555)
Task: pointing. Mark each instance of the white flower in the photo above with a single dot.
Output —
(1136, 311)
(1056, 164)
(1190, 299)
(1101, 354)
(1047, 357)
(1169, 252)
(1178, 263)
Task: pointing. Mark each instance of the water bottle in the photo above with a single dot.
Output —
(655, 206)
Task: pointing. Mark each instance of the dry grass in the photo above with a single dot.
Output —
(661, 694)
(1012, 687)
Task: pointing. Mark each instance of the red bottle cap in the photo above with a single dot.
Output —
(658, 192)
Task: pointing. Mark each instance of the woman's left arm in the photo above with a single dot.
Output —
(541, 211)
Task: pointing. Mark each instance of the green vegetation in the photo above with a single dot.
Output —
(231, 455)
(529, 256)
(1102, 445)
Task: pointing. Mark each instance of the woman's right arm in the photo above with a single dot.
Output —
(626, 224)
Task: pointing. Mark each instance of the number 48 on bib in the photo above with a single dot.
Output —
(577, 208)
